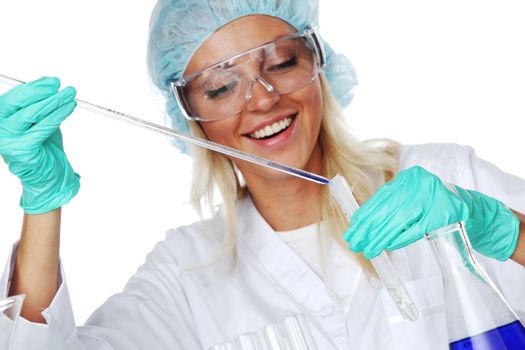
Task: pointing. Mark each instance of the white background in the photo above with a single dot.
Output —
(447, 71)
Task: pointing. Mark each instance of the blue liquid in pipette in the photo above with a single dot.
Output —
(507, 337)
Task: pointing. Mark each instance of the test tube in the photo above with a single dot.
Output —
(298, 333)
(223, 346)
(248, 341)
(273, 338)
(345, 199)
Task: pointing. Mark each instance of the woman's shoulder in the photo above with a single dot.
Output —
(206, 230)
(431, 153)
(203, 241)
(449, 161)
(187, 246)
(459, 164)
(202, 238)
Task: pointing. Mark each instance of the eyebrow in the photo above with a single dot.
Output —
(229, 62)
(225, 64)
(278, 39)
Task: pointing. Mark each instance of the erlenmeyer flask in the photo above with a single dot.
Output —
(478, 316)
(9, 314)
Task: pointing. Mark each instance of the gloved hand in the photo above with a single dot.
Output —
(31, 143)
(417, 202)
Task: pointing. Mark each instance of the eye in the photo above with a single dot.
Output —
(221, 92)
(283, 67)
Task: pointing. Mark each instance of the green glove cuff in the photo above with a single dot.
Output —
(492, 227)
(49, 203)
(52, 193)
(513, 241)
(504, 233)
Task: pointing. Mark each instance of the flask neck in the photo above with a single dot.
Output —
(453, 250)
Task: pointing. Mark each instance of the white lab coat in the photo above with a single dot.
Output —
(166, 305)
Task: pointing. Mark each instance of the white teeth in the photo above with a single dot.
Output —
(269, 130)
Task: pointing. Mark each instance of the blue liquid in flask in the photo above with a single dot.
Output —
(507, 337)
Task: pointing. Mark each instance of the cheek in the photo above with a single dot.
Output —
(313, 106)
(222, 132)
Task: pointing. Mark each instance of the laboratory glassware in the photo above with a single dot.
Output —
(248, 341)
(478, 315)
(338, 188)
(385, 270)
(10, 309)
(291, 333)
(224, 346)
(297, 333)
(273, 337)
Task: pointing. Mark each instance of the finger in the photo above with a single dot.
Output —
(397, 227)
(26, 94)
(56, 139)
(411, 235)
(355, 244)
(371, 252)
(384, 215)
(43, 130)
(381, 239)
(377, 237)
(55, 119)
(372, 214)
(386, 199)
(22, 120)
(432, 219)
(367, 219)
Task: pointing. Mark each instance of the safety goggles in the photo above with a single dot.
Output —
(224, 89)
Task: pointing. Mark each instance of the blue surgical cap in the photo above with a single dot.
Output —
(179, 27)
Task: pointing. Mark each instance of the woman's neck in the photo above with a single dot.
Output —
(287, 205)
(287, 202)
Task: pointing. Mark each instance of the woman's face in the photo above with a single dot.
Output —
(297, 145)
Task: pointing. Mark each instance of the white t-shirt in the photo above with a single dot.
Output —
(306, 242)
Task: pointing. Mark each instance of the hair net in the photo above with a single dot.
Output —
(179, 27)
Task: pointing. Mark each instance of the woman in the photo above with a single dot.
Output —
(249, 75)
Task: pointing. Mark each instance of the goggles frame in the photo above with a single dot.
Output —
(177, 85)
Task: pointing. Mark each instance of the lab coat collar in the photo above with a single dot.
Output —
(310, 294)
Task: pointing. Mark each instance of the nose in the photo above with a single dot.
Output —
(261, 96)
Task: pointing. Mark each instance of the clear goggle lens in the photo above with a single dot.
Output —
(223, 90)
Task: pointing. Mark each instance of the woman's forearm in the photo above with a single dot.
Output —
(519, 254)
(37, 263)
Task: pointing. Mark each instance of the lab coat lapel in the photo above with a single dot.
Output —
(292, 274)
(343, 272)
(358, 292)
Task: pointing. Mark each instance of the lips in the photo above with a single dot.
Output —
(271, 128)
(275, 140)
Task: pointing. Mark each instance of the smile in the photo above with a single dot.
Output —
(272, 130)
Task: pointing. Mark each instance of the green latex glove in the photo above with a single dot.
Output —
(31, 143)
(417, 202)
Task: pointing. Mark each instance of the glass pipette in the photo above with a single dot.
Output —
(338, 188)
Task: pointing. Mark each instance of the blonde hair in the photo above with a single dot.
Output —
(364, 164)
